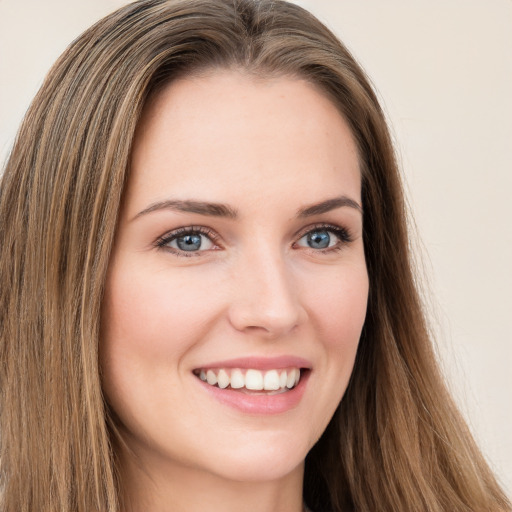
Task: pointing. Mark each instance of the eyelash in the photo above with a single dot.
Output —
(161, 243)
(343, 234)
(344, 237)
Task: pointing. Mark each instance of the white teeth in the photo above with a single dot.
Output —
(237, 379)
(271, 380)
(254, 380)
(290, 380)
(211, 378)
(223, 379)
(282, 379)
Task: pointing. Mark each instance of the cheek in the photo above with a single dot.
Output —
(337, 303)
(152, 313)
(151, 319)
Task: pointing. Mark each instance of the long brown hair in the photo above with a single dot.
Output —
(396, 442)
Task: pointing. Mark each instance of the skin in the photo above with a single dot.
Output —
(267, 148)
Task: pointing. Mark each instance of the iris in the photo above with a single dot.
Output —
(190, 242)
(319, 239)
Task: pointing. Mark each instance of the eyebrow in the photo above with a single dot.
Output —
(200, 207)
(328, 205)
(226, 211)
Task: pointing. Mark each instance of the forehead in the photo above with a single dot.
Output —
(227, 132)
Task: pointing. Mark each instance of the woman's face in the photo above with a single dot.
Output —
(238, 259)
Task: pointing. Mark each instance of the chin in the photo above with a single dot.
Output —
(266, 460)
(261, 469)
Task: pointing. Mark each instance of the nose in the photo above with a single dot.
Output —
(265, 297)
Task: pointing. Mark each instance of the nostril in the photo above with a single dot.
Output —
(265, 299)
(261, 320)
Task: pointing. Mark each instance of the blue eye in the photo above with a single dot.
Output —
(187, 240)
(324, 238)
(318, 239)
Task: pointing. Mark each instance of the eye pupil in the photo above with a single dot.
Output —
(319, 239)
(189, 242)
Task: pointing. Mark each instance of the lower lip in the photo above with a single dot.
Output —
(259, 404)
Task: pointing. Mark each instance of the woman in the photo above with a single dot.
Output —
(207, 298)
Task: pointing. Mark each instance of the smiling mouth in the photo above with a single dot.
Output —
(252, 381)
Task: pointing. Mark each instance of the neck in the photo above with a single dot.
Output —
(165, 486)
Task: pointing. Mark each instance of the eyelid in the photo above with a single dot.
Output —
(342, 233)
(162, 241)
(335, 228)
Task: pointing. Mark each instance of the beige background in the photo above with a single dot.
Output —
(443, 69)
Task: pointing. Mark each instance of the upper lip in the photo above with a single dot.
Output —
(261, 363)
